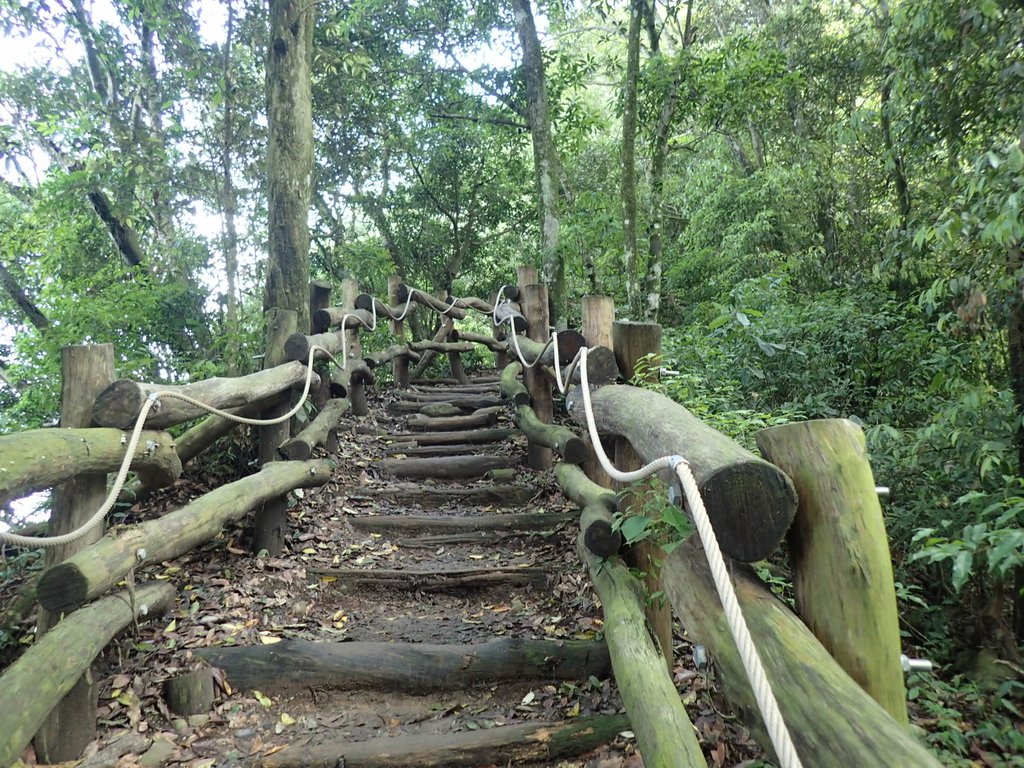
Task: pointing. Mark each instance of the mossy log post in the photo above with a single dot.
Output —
(387, 355)
(478, 338)
(449, 467)
(300, 447)
(839, 553)
(663, 730)
(94, 570)
(85, 371)
(484, 417)
(562, 440)
(751, 503)
(512, 389)
(631, 341)
(833, 721)
(598, 315)
(41, 458)
(516, 744)
(457, 368)
(271, 518)
(407, 667)
(332, 317)
(535, 306)
(319, 298)
(34, 684)
(598, 505)
(399, 363)
(351, 381)
(190, 693)
(474, 436)
(119, 404)
(442, 306)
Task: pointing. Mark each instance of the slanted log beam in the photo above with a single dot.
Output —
(598, 504)
(96, 569)
(562, 440)
(441, 306)
(319, 431)
(512, 388)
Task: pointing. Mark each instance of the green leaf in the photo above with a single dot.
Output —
(962, 568)
(635, 528)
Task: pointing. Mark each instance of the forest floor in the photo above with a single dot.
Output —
(227, 597)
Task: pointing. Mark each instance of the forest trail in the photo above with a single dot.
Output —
(396, 575)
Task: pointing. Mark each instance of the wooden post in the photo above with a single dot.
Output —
(500, 358)
(357, 389)
(598, 318)
(631, 342)
(535, 307)
(319, 298)
(399, 363)
(839, 553)
(525, 276)
(86, 370)
(272, 517)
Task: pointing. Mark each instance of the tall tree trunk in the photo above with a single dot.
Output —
(22, 299)
(289, 155)
(229, 202)
(659, 156)
(1015, 338)
(629, 88)
(894, 158)
(545, 158)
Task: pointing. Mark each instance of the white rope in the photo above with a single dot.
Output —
(766, 701)
(133, 443)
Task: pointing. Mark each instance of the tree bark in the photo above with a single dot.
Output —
(289, 155)
(630, 259)
(833, 721)
(407, 667)
(545, 158)
(839, 553)
(750, 502)
(21, 298)
(517, 744)
(94, 570)
(33, 685)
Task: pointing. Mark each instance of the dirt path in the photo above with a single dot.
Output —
(534, 588)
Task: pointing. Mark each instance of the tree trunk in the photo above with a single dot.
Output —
(831, 718)
(289, 155)
(517, 744)
(21, 298)
(229, 200)
(839, 552)
(96, 569)
(750, 502)
(545, 158)
(35, 683)
(628, 187)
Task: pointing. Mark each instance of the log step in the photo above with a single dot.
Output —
(430, 581)
(447, 467)
(494, 495)
(506, 745)
(522, 523)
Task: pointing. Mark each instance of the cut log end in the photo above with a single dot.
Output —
(119, 405)
(62, 588)
(751, 506)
